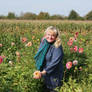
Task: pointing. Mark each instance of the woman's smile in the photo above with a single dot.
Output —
(50, 37)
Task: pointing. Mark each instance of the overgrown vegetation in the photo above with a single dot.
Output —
(19, 42)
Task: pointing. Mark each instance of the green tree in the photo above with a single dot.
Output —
(2, 17)
(43, 15)
(56, 17)
(11, 15)
(28, 15)
(73, 15)
(89, 16)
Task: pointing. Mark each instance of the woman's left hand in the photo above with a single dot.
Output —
(43, 72)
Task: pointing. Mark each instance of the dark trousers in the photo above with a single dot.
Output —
(49, 90)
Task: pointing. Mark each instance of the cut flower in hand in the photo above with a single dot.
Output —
(37, 75)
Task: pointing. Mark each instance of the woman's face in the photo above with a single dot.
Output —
(50, 36)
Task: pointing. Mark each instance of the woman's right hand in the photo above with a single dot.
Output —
(37, 75)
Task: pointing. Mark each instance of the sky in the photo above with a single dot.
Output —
(61, 7)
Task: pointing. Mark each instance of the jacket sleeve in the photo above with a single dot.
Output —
(56, 59)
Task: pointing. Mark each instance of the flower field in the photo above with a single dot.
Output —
(19, 41)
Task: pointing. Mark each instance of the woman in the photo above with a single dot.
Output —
(49, 59)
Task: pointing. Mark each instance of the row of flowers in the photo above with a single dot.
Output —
(23, 40)
(75, 49)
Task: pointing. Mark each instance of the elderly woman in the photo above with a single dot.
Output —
(49, 59)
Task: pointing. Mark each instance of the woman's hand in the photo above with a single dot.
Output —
(37, 75)
(43, 72)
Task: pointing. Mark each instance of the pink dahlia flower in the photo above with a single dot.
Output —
(80, 50)
(76, 34)
(75, 48)
(70, 43)
(69, 65)
(1, 59)
(75, 62)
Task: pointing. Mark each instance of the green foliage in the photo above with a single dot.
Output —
(28, 15)
(18, 78)
(56, 17)
(2, 17)
(11, 15)
(43, 15)
(73, 15)
(18, 66)
(89, 16)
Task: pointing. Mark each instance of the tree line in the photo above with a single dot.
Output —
(73, 15)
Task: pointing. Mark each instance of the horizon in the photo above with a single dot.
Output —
(55, 7)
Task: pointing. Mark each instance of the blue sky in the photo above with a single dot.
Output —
(62, 7)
